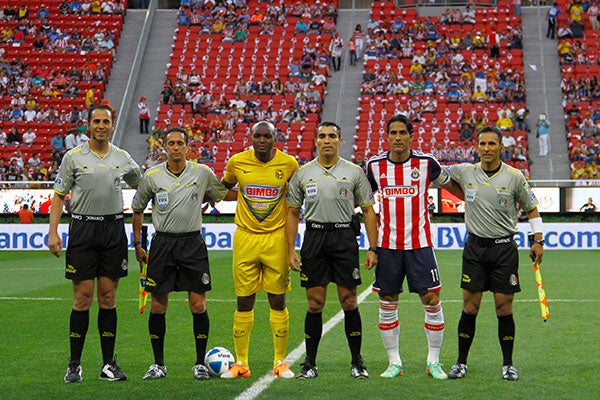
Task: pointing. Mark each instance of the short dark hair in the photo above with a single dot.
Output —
(180, 130)
(107, 107)
(329, 123)
(400, 118)
(490, 129)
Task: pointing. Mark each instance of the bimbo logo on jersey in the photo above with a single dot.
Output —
(400, 191)
(262, 192)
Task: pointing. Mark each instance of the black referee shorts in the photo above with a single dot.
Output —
(178, 263)
(97, 247)
(490, 264)
(329, 256)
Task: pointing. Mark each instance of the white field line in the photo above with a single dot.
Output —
(263, 383)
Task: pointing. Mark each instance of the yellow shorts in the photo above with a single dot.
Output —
(260, 261)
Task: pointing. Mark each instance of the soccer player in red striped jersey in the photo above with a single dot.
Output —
(404, 245)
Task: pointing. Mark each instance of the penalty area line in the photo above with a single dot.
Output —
(265, 381)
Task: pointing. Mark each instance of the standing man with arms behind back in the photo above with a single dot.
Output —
(178, 258)
(405, 244)
(97, 249)
(330, 187)
(260, 256)
(492, 191)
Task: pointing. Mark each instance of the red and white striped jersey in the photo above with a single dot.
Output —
(403, 217)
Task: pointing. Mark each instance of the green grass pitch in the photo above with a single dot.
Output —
(556, 360)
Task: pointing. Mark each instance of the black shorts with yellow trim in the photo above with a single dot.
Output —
(490, 264)
(178, 262)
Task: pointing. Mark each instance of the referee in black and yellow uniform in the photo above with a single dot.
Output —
(93, 174)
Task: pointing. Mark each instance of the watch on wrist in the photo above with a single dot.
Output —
(136, 243)
(373, 249)
(541, 241)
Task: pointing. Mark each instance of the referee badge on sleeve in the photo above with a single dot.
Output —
(162, 199)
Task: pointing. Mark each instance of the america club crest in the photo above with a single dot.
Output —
(279, 174)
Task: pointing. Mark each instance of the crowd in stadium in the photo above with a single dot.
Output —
(419, 59)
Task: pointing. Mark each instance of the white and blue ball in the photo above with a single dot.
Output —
(218, 360)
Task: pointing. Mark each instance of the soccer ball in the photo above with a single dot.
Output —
(218, 360)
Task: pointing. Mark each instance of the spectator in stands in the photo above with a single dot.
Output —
(564, 51)
(552, 18)
(74, 116)
(543, 133)
(520, 119)
(336, 46)
(505, 122)
(58, 147)
(183, 18)
(13, 137)
(314, 28)
(167, 91)
(493, 40)
(515, 39)
(80, 136)
(51, 115)
(144, 115)
(576, 12)
(72, 89)
(266, 27)
(108, 7)
(3, 169)
(52, 171)
(22, 12)
(466, 130)
(301, 26)
(206, 155)
(75, 7)
(29, 114)
(9, 12)
(468, 17)
(588, 207)
(565, 32)
(70, 140)
(16, 114)
(328, 26)
(257, 18)
(521, 153)
(35, 160)
(96, 7)
(42, 13)
(479, 95)
(479, 41)
(352, 50)
(29, 137)
(107, 45)
(593, 12)
(359, 37)
(589, 130)
(25, 214)
(510, 144)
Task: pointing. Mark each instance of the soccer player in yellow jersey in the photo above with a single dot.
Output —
(260, 255)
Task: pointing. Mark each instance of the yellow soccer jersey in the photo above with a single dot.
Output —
(261, 204)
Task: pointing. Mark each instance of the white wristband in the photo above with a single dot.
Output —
(536, 225)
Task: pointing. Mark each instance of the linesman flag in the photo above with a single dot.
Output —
(143, 294)
(541, 292)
